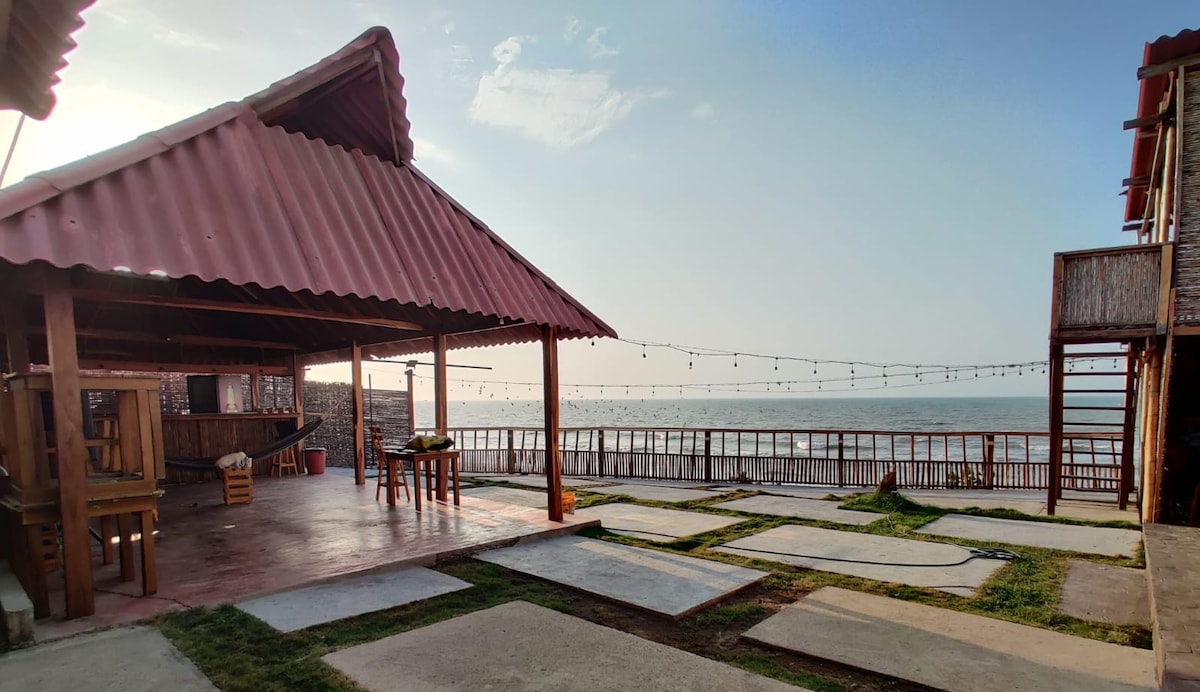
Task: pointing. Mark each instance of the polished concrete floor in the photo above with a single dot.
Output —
(300, 530)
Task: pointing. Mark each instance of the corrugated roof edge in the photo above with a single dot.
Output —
(510, 250)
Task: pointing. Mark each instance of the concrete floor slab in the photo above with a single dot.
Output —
(521, 646)
(804, 508)
(1028, 502)
(130, 659)
(949, 650)
(1081, 539)
(897, 560)
(1107, 593)
(810, 491)
(654, 523)
(536, 481)
(655, 492)
(674, 585)
(1097, 511)
(509, 496)
(296, 610)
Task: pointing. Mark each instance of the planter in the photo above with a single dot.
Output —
(314, 460)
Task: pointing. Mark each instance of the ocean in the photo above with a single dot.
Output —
(1015, 414)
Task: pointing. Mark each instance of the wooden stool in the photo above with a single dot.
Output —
(238, 485)
(284, 461)
(391, 470)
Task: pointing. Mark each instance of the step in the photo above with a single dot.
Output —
(949, 650)
(1172, 562)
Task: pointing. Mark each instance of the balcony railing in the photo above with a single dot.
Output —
(1121, 291)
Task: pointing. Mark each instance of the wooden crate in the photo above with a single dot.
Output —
(238, 485)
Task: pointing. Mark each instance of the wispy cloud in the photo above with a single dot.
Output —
(448, 28)
(183, 39)
(160, 30)
(426, 150)
(574, 26)
(703, 111)
(595, 44)
(560, 108)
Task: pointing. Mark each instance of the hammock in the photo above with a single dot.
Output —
(210, 463)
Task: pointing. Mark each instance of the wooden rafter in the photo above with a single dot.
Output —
(185, 339)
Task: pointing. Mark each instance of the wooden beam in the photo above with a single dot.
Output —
(356, 380)
(441, 406)
(298, 395)
(193, 368)
(69, 439)
(1054, 484)
(412, 412)
(16, 333)
(244, 308)
(1138, 123)
(1169, 66)
(185, 339)
(255, 391)
(1139, 181)
(550, 397)
(1166, 294)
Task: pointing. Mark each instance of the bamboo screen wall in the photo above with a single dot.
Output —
(1187, 253)
(1110, 289)
(332, 401)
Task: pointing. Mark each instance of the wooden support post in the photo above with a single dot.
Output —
(600, 455)
(68, 434)
(989, 461)
(841, 462)
(708, 456)
(16, 332)
(550, 384)
(360, 454)
(512, 452)
(412, 410)
(106, 536)
(1128, 427)
(298, 405)
(1153, 510)
(255, 391)
(440, 395)
(1054, 481)
(125, 546)
(149, 570)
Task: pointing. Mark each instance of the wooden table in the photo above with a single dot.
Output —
(393, 456)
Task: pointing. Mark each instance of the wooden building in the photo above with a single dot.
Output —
(287, 229)
(1144, 297)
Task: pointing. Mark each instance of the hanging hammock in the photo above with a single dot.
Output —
(210, 463)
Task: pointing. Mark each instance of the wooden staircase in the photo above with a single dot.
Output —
(1093, 415)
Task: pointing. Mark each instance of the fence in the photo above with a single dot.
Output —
(1002, 460)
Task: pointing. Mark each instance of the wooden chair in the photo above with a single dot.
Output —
(401, 478)
(285, 461)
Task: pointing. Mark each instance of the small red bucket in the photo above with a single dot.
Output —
(314, 460)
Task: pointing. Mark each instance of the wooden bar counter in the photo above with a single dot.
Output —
(205, 435)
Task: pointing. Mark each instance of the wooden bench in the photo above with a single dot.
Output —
(238, 486)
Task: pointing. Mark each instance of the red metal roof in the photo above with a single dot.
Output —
(225, 196)
(37, 37)
(1150, 93)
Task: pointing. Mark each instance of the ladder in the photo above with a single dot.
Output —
(1093, 415)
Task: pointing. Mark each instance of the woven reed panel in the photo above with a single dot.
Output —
(333, 401)
(1110, 290)
(1187, 247)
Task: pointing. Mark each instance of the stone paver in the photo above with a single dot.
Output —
(674, 585)
(1172, 562)
(1082, 539)
(1029, 502)
(897, 560)
(800, 507)
(509, 496)
(809, 491)
(535, 481)
(1107, 593)
(654, 523)
(131, 659)
(655, 492)
(949, 650)
(316, 605)
(521, 646)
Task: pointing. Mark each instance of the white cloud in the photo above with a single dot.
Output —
(448, 28)
(560, 108)
(596, 45)
(703, 111)
(572, 29)
(425, 150)
(182, 39)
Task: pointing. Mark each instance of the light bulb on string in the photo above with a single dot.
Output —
(690, 361)
(643, 350)
(735, 360)
(776, 365)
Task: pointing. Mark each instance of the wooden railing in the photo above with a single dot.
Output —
(1112, 289)
(841, 458)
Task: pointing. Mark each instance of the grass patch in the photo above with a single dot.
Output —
(765, 665)
(727, 615)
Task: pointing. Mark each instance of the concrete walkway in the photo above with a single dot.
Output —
(655, 492)
(654, 523)
(131, 659)
(523, 647)
(948, 650)
(882, 558)
(804, 508)
(673, 585)
(1080, 539)
(1117, 595)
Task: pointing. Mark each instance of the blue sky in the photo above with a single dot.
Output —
(850, 180)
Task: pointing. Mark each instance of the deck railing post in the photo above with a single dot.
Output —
(600, 455)
(841, 463)
(708, 456)
(989, 458)
(512, 453)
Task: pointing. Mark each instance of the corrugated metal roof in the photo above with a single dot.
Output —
(225, 196)
(1150, 94)
(38, 36)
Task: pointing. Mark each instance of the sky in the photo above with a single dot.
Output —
(851, 180)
